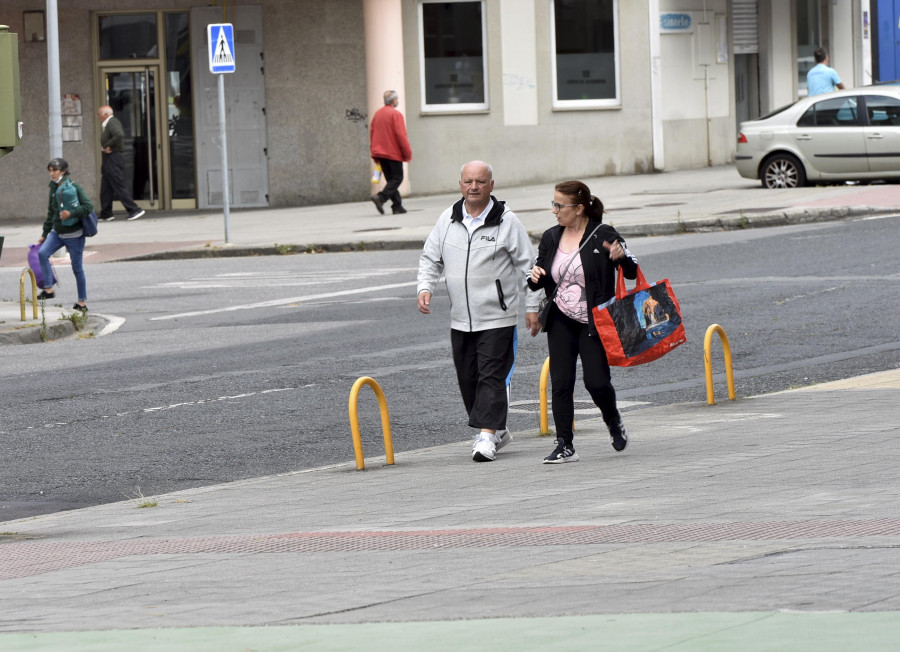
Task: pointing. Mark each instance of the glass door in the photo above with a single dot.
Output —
(132, 94)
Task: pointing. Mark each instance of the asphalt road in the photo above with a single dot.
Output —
(239, 367)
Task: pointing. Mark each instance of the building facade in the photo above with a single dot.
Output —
(543, 89)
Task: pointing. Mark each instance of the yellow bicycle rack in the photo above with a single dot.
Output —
(545, 376)
(385, 422)
(707, 361)
(34, 305)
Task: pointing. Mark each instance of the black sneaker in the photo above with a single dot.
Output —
(617, 435)
(43, 296)
(79, 307)
(398, 210)
(561, 454)
(137, 215)
(107, 219)
(379, 203)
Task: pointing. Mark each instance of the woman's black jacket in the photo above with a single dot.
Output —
(599, 270)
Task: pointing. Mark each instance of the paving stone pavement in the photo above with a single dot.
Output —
(779, 509)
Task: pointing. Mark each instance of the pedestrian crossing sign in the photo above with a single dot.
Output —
(221, 47)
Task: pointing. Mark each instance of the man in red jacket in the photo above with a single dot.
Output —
(389, 148)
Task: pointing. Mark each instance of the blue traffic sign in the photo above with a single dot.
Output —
(221, 47)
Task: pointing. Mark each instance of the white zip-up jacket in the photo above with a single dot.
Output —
(486, 273)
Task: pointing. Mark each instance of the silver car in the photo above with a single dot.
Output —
(846, 135)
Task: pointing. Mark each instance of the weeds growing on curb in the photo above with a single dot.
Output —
(285, 249)
(43, 320)
(78, 319)
(140, 500)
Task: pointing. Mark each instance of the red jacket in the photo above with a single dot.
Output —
(388, 135)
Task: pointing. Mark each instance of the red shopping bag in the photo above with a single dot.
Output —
(639, 326)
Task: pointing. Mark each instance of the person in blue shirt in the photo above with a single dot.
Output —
(820, 78)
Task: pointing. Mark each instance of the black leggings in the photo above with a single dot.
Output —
(566, 339)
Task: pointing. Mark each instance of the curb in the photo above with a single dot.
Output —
(749, 221)
(56, 330)
(696, 225)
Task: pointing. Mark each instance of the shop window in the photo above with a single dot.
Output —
(131, 36)
(585, 43)
(453, 57)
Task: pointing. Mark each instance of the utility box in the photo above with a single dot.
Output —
(10, 98)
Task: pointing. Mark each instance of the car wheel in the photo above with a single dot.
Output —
(783, 171)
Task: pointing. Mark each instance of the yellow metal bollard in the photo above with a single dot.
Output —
(707, 361)
(545, 376)
(385, 422)
(34, 304)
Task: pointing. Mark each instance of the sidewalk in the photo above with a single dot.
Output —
(767, 523)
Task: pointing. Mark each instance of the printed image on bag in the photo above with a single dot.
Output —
(644, 318)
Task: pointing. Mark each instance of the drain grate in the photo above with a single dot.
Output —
(26, 559)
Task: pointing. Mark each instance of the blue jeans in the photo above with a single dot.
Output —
(75, 247)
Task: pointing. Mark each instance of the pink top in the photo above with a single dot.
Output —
(570, 298)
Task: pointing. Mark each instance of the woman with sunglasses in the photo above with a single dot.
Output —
(576, 266)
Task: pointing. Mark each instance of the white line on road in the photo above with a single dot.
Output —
(176, 405)
(286, 300)
(112, 325)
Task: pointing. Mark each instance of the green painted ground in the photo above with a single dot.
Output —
(694, 632)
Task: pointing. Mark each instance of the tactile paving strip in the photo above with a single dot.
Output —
(24, 559)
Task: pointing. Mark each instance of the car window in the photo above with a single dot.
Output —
(776, 111)
(834, 112)
(882, 110)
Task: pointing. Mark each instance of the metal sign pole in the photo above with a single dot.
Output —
(220, 39)
(222, 137)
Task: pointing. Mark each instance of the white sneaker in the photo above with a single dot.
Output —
(485, 448)
(503, 438)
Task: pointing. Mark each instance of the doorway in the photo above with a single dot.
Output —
(132, 94)
(143, 71)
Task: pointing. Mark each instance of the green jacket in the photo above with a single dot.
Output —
(73, 223)
(113, 136)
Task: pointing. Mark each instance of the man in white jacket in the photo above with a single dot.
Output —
(485, 255)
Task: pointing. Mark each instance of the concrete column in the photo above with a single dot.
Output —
(778, 54)
(383, 28)
(842, 52)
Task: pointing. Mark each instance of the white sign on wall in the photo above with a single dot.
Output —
(676, 23)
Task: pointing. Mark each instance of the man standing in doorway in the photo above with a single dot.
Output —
(390, 149)
(484, 253)
(112, 169)
(820, 78)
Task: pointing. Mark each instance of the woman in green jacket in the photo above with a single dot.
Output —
(67, 205)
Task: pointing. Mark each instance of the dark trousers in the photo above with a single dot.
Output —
(112, 185)
(566, 340)
(484, 364)
(393, 177)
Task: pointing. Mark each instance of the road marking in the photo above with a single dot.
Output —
(112, 326)
(286, 300)
(173, 406)
(279, 278)
(531, 406)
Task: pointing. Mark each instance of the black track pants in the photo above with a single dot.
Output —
(484, 364)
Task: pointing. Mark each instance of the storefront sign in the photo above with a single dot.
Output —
(680, 23)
